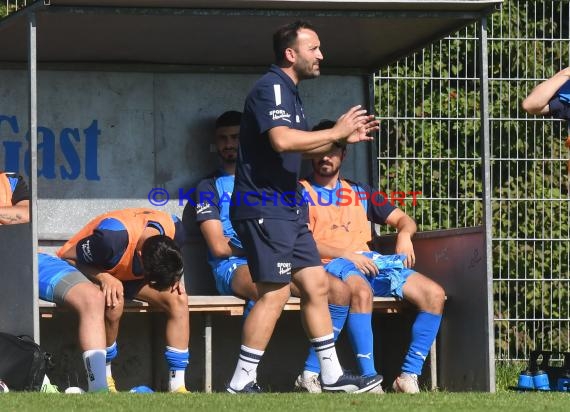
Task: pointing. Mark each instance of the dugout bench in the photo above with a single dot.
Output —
(452, 257)
(233, 306)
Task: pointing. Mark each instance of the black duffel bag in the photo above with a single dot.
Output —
(23, 364)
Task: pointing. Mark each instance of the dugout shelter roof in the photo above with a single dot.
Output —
(362, 35)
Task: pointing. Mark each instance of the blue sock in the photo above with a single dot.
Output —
(247, 308)
(338, 317)
(359, 328)
(177, 358)
(424, 331)
(112, 352)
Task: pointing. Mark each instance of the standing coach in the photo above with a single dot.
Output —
(266, 212)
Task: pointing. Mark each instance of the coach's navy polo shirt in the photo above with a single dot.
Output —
(559, 109)
(266, 181)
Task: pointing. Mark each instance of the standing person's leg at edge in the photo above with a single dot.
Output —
(257, 331)
(313, 285)
(338, 305)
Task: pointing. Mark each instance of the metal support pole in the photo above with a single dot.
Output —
(208, 353)
(33, 114)
(433, 365)
(487, 210)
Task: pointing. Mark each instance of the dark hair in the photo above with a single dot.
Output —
(162, 262)
(286, 36)
(328, 124)
(229, 118)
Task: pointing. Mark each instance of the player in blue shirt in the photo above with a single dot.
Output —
(14, 199)
(211, 211)
(226, 256)
(266, 215)
(551, 97)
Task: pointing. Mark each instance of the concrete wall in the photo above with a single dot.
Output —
(107, 138)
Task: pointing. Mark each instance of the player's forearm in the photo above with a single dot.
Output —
(220, 249)
(406, 227)
(537, 101)
(10, 215)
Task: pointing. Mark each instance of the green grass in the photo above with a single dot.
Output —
(507, 374)
(437, 401)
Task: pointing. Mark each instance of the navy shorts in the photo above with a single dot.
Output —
(276, 248)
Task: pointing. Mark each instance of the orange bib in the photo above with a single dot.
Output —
(345, 226)
(135, 221)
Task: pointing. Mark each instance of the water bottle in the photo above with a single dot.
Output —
(563, 383)
(526, 380)
(540, 380)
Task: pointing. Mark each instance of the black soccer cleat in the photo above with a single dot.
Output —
(251, 387)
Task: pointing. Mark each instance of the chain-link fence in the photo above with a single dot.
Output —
(429, 106)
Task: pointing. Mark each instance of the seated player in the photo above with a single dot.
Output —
(226, 257)
(342, 231)
(129, 253)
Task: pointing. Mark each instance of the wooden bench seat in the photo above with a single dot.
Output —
(229, 305)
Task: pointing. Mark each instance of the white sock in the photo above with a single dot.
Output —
(176, 380)
(46, 380)
(326, 353)
(108, 372)
(178, 360)
(309, 375)
(246, 368)
(94, 361)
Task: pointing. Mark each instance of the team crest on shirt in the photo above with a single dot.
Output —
(280, 114)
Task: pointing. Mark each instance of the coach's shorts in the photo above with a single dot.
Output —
(276, 248)
(387, 283)
(56, 278)
(224, 274)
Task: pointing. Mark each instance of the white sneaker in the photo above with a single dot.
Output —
(406, 383)
(311, 385)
